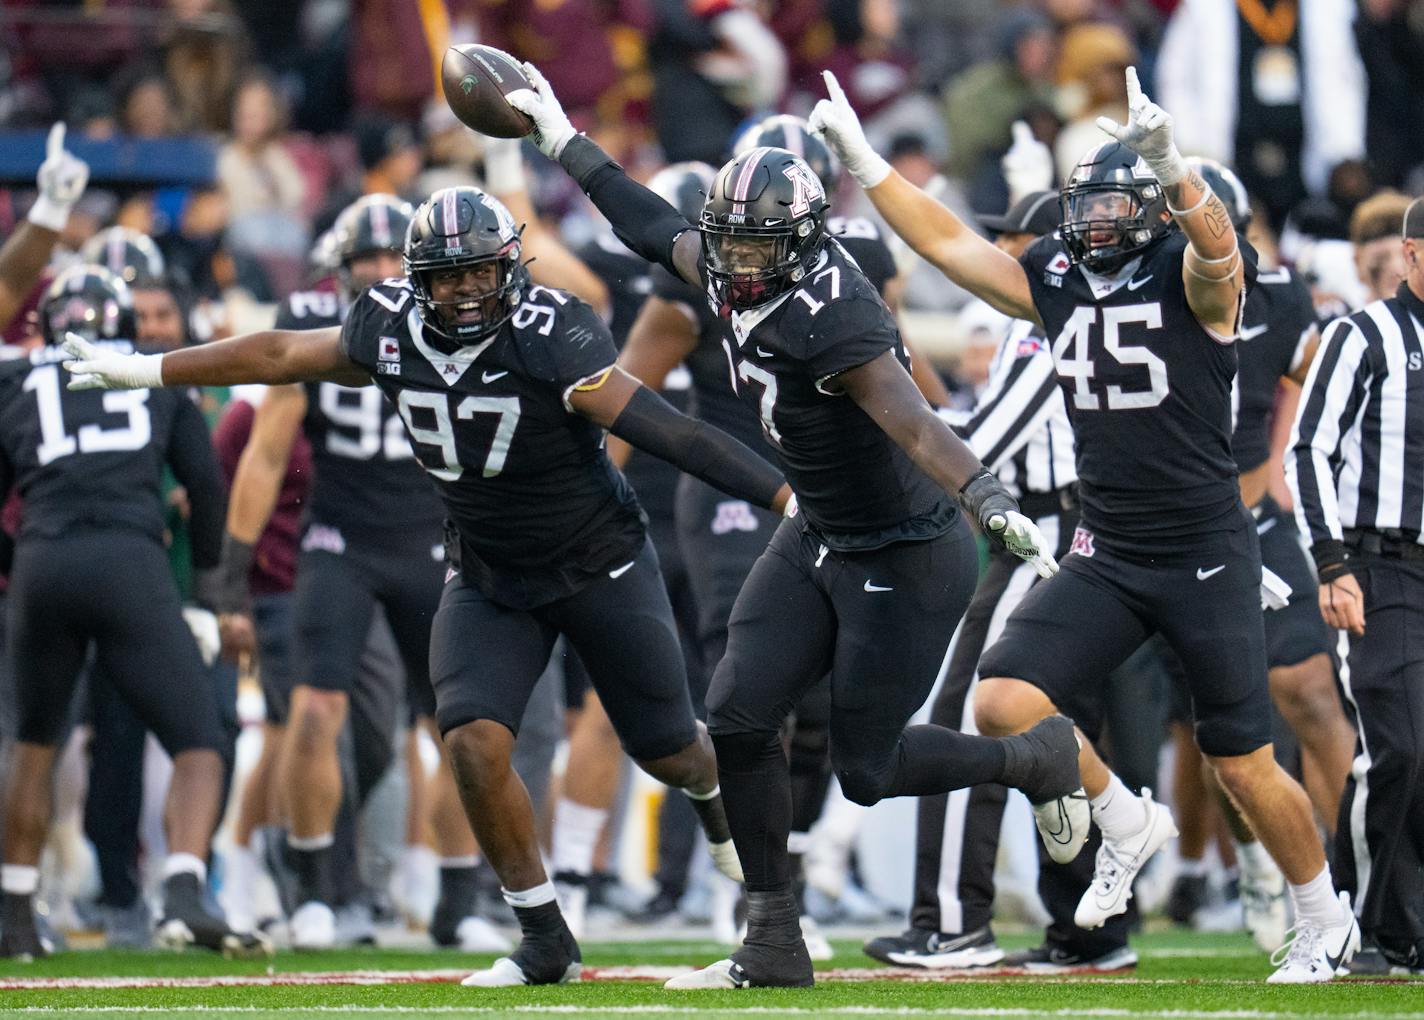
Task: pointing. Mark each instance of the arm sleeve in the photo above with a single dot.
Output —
(190, 453)
(847, 334)
(1335, 393)
(652, 424)
(1018, 398)
(643, 221)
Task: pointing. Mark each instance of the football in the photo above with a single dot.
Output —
(476, 80)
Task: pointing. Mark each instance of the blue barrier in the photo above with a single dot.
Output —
(121, 160)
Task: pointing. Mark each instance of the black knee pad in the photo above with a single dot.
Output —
(745, 752)
(862, 782)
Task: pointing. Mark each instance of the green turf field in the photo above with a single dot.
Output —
(1186, 976)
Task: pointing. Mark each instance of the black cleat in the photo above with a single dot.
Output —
(1048, 959)
(541, 960)
(187, 921)
(934, 950)
(19, 934)
(1189, 894)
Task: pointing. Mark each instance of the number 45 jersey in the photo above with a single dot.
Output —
(1148, 390)
(538, 507)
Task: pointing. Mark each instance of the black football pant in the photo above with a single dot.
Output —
(1380, 836)
(957, 834)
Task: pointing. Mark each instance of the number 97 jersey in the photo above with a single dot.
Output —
(1148, 390)
(538, 506)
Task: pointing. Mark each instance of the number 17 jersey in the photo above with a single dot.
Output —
(1148, 390)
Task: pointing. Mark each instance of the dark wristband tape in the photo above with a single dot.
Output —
(1332, 559)
(582, 158)
(224, 588)
(983, 496)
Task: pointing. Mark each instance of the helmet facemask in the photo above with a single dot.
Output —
(1106, 225)
(749, 266)
(470, 315)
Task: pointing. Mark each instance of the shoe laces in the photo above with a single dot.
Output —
(1108, 867)
(1300, 946)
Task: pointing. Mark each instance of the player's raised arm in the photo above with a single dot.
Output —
(936, 234)
(1212, 268)
(885, 391)
(637, 415)
(272, 356)
(643, 220)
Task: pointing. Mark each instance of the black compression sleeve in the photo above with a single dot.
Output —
(642, 220)
(652, 424)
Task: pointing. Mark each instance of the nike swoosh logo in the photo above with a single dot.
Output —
(876, 587)
(490, 377)
(764, 354)
(1064, 833)
(1336, 959)
(1266, 525)
(615, 574)
(1134, 284)
(1254, 331)
(1202, 575)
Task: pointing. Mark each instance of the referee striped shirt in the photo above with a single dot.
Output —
(1019, 426)
(1357, 452)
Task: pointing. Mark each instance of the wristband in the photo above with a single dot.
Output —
(1332, 560)
(983, 497)
(1170, 168)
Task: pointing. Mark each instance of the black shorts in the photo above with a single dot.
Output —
(1298, 631)
(336, 595)
(115, 590)
(1071, 632)
(272, 619)
(878, 622)
(485, 658)
(720, 538)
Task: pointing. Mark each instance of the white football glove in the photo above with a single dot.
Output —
(1022, 538)
(61, 182)
(95, 368)
(1148, 132)
(552, 129)
(1028, 165)
(204, 626)
(504, 165)
(836, 124)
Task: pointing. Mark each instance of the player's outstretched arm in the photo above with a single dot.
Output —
(61, 180)
(661, 338)
(936, 234)
(272, 356)
(1212, 270)
(885, 391)
(642, 220)
(636, 414)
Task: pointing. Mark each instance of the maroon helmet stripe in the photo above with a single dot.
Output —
(380, 225)
(449, 211)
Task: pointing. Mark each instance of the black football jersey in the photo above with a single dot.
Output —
(853, 483)
(1277, 323)
(864, 242)
(537, 506)
(89, 459)
(1148, 390)
(366, 482)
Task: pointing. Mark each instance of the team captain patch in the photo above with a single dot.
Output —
(389, 349)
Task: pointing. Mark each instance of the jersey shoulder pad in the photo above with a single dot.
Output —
(375, 328)
(309, 309)
(1046, 257)
(561, 339)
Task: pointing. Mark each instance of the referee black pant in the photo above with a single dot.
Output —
(957, 834)
(1380, 837)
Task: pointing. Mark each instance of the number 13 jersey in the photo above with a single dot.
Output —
(1148, 390)
(538, 507)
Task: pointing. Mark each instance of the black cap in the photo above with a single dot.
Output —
(1037, 213)
(1414, 219)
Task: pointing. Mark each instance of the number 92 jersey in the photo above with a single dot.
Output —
(538, 507)
(1148, 390)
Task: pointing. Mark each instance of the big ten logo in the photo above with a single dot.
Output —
(734, 515)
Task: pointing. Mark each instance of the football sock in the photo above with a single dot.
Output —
(936, 759)
(576, 831)
(1315, 901)
(1119, 812)
(756, 790)
(312, 860)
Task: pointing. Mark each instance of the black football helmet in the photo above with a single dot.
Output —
(322, 260)
(1224, 183)
(87, 300)
(684, 186)
(460, 228)
(793, 134)
(762, 226)
(372, 223)
(127, 253)
(1113, 208)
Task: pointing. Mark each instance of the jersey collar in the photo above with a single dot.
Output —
(1103, 284)
(449, 367)
(744, 322)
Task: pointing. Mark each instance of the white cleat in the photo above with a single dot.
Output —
(572, 893)
(1063, 825)
(476, 935)
(505, 973)
(1118, 863)
(722, 974)
(1264, 903)
(818, 947)
(723, 908)
(1317, 954)
(313, 926)
(724, 855)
